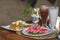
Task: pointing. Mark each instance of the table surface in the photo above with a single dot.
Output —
(10, 35)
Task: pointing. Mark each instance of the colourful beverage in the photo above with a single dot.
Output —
(44, 14)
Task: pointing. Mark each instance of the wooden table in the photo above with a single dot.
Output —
(10, 35)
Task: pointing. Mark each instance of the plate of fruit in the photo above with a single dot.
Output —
(16, 26)
(36, 31)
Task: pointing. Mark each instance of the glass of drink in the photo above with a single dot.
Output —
(44, 14)
(53, 14)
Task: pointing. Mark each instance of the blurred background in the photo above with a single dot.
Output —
(11, 9)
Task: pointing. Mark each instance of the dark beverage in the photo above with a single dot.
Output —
(44, 14)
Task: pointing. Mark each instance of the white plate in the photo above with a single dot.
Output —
(8, 26)
(26, 33)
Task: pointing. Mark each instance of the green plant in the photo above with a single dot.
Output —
(26, 12)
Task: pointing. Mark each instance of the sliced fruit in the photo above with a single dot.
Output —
(37, 29)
